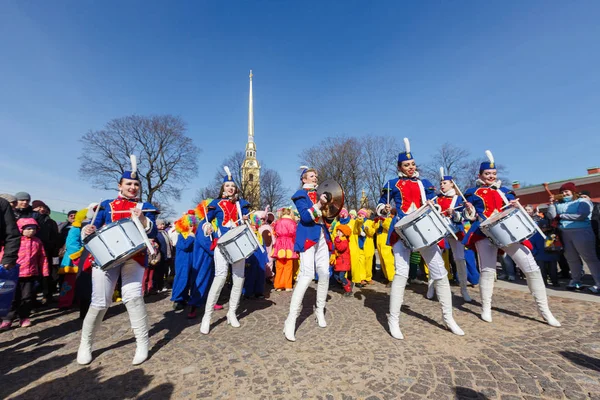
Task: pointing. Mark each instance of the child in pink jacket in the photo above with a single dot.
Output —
(32, 262)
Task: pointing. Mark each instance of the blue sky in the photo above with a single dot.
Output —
(519, 78)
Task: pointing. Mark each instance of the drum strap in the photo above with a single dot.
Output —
(501, 193)
(422, 189)
(454, 200)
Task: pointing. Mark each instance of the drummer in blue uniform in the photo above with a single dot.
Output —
(131, 271)
(485, 200)
(313, 242)
(409, 193)
(225, 211)
(449, 202)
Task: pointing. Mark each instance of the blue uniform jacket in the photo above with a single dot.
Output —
(479, 202)
(218, 210)
(396, 196)
(309, 230)
(105, 215)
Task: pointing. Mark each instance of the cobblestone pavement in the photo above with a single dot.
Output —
(516, 356)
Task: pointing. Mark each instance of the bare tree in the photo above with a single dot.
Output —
(272, 191)
(167, 158)
(338, 158)
(455, 161)
(379, 164)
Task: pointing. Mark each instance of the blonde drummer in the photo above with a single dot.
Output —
(131, 271)
(449, 201)
(409, 193)
(488, 198)
(228, 210)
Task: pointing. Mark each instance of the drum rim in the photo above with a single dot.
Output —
(233, 239)
(105, 228)
(420, 217)
(123, 257)
(512, 211)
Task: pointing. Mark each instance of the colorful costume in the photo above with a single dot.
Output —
(224, 212)
(409, 194)
(184, 257)
(356, 252)
(342, 259)
(131, 272)
(448, 203)
(368, 248)
(69, 266)
(313, 243)
(386, 256)
(488, 200)
(283, 251)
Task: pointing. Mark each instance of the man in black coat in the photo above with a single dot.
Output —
(10, 237)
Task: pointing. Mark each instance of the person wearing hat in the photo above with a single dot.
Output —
(574, 215)
(23, 209)
(131, 271)
(386, 255)
(225, 212)
(488, 198)
(449, 201)
(10, 237)
(342, 258)
(313, 242)
(410, 192)
(12, 200)
(49, 235)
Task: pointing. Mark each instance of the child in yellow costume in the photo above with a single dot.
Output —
(386, 256)
(356, 253)
(368, 247)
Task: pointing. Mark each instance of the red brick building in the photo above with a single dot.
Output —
(536, 194)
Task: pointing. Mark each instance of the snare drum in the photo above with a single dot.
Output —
(422, 228)
(510, 226)
(115, 243)
(238, 244)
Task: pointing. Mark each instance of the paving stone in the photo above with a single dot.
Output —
(515, 357)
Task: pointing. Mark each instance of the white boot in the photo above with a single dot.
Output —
(136, 308)
(442, 288)
(396, 299)
(295, 307)
(461, 269)
(322, 288)
(535, 281)
(234, 300)
(213, 296)
(430, 290)
(486, 289)
(92, 321)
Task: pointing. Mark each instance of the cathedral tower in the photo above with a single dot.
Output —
(251, 167)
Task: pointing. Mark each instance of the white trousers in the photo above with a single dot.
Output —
(221, 265)
(432, 256)
(315, 259)
(458, 249)
(521, 255)
(104, 282)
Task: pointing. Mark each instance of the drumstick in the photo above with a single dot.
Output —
(442, 219)
(140, 227)
(459, 192)
(129, 211)
(388, 193)
(96, 212)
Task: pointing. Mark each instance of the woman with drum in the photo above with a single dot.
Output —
(485, 200)
(410, 193)
(449, 201)
(313, 242)
(126, 205)
(228, 211)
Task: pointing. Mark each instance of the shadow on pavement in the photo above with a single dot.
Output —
(86, 383)
(582, 360)
(466, 393)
